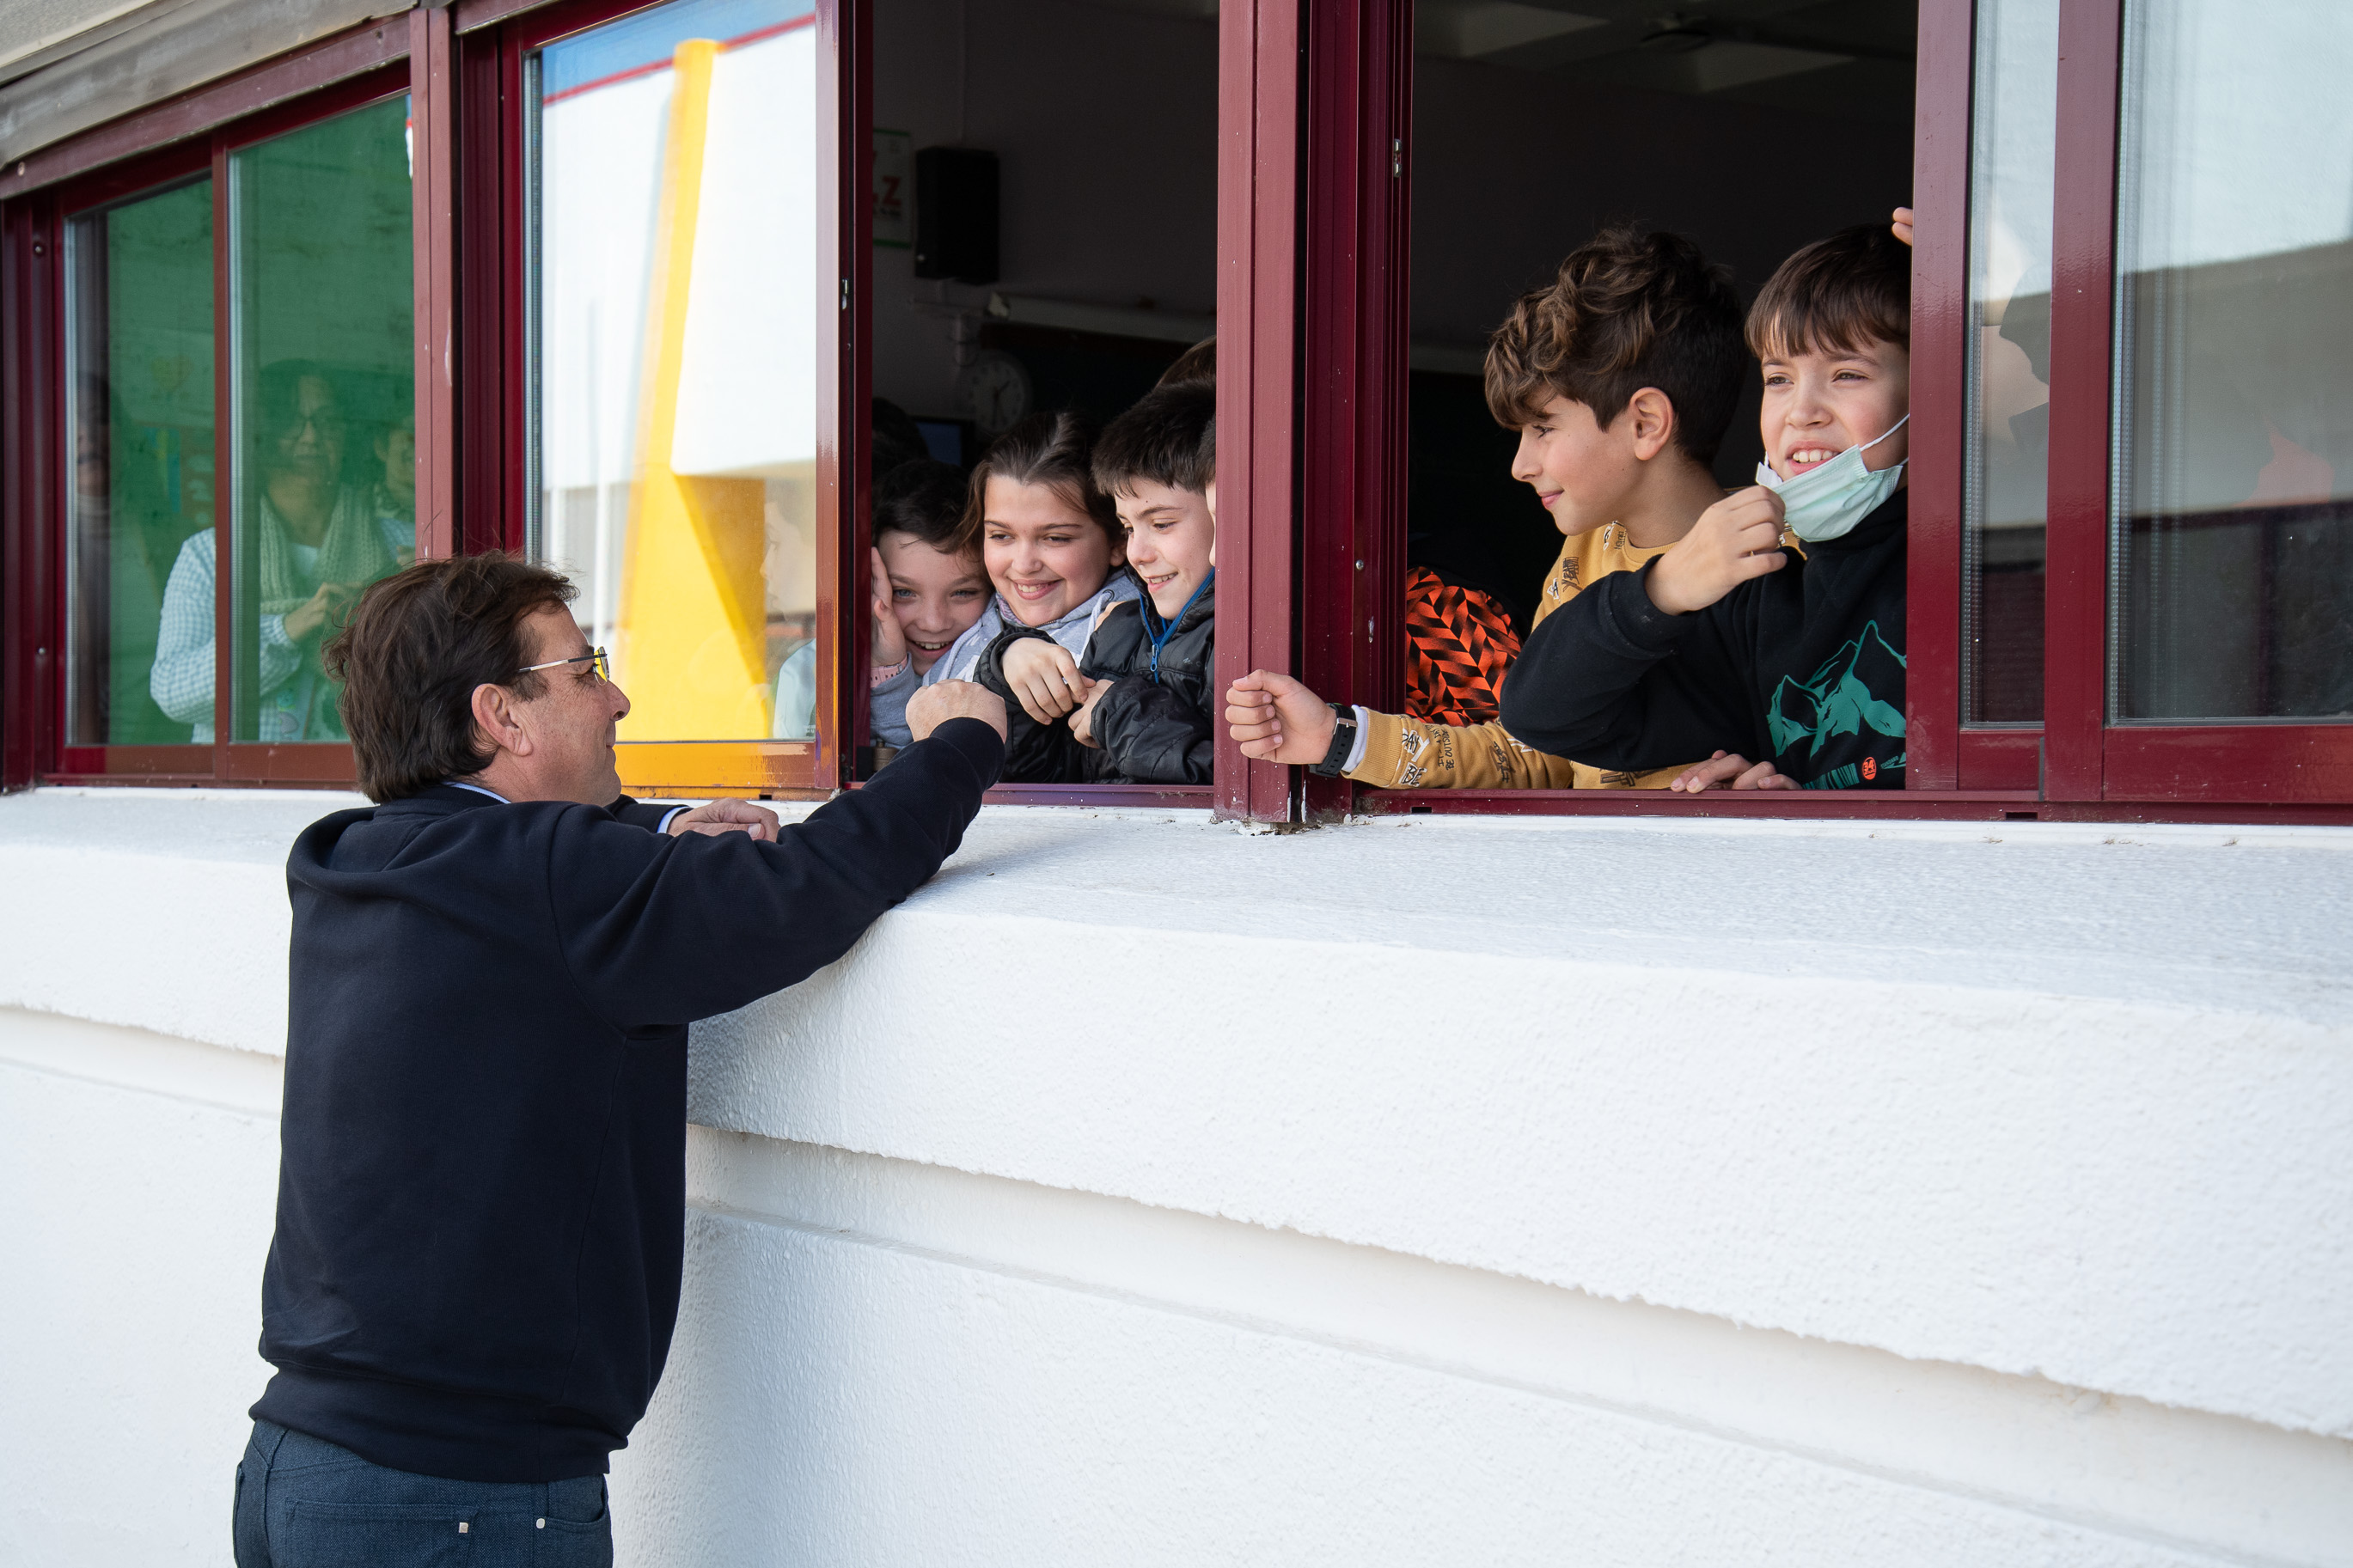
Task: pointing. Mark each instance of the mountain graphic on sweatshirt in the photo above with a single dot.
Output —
(1841, 697)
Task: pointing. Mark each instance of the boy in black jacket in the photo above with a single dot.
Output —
(1789, 667)
(1145, 718)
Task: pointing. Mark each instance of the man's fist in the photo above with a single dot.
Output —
(1277, 720)
(932, 706)
(1737, 538)
(727, 816)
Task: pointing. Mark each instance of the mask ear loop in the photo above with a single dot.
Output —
(1883, 435)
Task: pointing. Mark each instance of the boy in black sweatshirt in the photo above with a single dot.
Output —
(1789, 667)
(1149, 663)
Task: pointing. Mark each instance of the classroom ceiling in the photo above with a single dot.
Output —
(1836, 57)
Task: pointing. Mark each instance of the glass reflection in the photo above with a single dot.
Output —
(2015, 123)
(321, 268)
(140, 347)
(674, 378)
(2232, 547)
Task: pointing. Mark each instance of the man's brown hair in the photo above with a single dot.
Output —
(416, 645)
(1838, 295)
(1628, 310)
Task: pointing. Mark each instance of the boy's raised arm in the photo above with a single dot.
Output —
(1594, 682)
(1736, 539)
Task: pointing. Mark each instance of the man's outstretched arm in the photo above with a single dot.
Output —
(663, 931)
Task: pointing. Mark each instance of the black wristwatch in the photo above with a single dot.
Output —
(1344, 740)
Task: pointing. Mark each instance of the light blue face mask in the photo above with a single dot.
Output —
(1825, 502)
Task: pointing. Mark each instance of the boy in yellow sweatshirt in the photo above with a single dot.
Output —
(1621, 377)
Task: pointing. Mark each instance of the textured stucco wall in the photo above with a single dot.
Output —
(1405, 1192)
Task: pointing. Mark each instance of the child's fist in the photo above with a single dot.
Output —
(1044, 679)
(1737, 538)
(1279, 720)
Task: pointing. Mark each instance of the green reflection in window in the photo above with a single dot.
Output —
(326, 499)
(140, 283)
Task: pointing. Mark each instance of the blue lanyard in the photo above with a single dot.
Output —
(1168, 627)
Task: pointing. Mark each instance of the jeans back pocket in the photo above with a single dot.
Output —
(391, 1534)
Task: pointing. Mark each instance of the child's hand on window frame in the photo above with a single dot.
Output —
(1737, 538)
(1044, 678)
(890, 648)
(1728, 770)
(1277, 720)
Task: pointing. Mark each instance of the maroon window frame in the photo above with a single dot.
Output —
(2089, 757)
(493, 39)
(1314, 212)
(188, 135)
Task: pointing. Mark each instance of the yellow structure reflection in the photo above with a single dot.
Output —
(693, 608)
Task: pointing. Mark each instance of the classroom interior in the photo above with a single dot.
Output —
(1766, 125)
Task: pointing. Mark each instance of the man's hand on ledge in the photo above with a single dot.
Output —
(728, 817)
(933, 706)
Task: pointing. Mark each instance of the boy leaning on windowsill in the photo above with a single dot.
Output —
(1789, 667)
(1620, 376)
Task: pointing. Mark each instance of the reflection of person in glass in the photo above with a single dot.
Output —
(392, 495)
(316, 543)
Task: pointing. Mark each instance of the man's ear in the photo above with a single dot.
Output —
(1650, 422)
(497, 726)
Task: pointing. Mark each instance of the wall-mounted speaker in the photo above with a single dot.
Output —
(955, 214)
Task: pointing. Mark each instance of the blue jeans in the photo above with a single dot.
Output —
(305, 1503)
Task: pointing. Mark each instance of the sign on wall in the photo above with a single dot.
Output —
(895, 188)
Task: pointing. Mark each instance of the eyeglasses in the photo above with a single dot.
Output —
(595, 655)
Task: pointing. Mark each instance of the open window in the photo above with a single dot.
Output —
(1044, 227)
(1529, 129)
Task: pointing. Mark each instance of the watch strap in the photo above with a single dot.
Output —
(1344, 740)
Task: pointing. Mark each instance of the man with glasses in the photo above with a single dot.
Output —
(481, 1188)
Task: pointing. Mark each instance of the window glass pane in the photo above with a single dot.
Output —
(675, 379)
(2015, 115)
(2232, 550)
(140, 343)
(326, 419)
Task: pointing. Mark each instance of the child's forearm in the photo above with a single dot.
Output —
(886, 707)
(1415, 753)
(1587, 684)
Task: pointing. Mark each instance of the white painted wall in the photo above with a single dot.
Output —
(1593, 1192)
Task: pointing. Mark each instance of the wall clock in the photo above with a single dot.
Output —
(994, 389)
